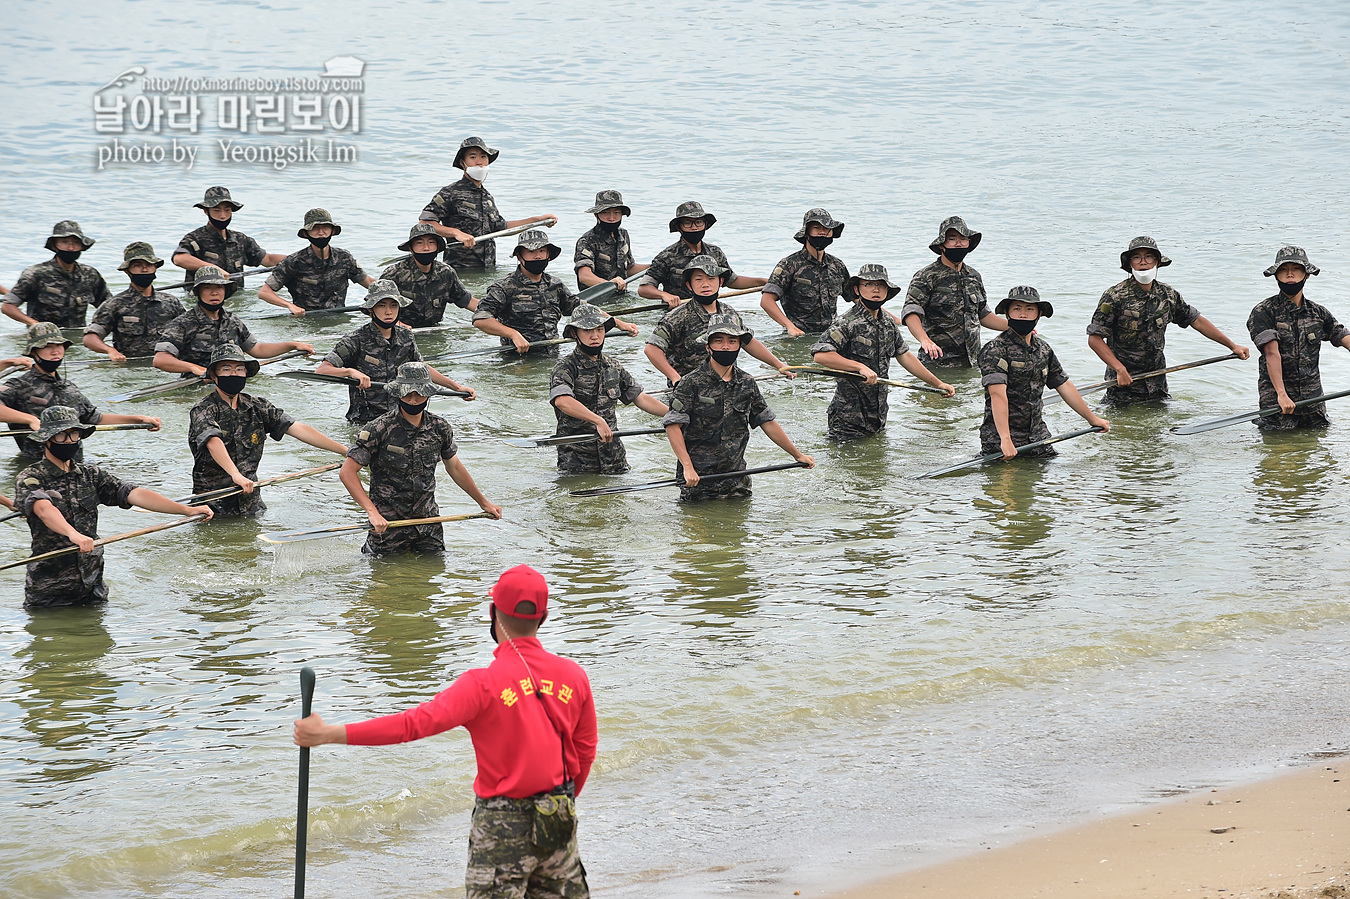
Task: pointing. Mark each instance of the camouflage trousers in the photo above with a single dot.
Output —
(417, 538)
(75, 579)
(989, 442)
(506, 860)
(1314, 416)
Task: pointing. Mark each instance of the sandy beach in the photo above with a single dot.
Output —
(1286, 837)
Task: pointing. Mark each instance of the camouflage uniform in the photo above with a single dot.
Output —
(717, 417)
(1027, 371)
(193, 335)
(532, 308)
(75, 578)
(950, 305)
(609, 254)
(1300, 332)
(34, 391)
(874, 340)
(367, 351)
(243, 431)
(430, 292)
(667, 269)
(809, 290)
(316, 283)
(51, 295)
(505, 861)
(682, 334)
(403, 461)
(599, 383)
(133, 322)
(1133, 322)
(470, 208)
(233, 253)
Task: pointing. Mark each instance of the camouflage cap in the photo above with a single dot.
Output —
(67, 228)
(210, 274)
(728, 323)
(470, 143)
(706, 264)
(818, 216)
(383, 289)
(959, 225)
(870, 272)
(691, 210)
(422, 229)
(59, 419)
(1143, 243)
(536, 240)
(139, 251)
(587, 316)
(42, 334)
(1295, 255)
(1025, 295)
(230, 352)
(214, 196)
(317, 216)
(609, 199)
(412, 377)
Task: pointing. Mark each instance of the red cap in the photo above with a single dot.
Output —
(517, 586)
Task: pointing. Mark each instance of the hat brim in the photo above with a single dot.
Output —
(233, 205)
(42, 436)
(708, 221)
(459, 157)
(154, 260)
(571, 328)
(406, 246)
(619, 206)
(1163, 261)
(252, 366)
(51, 241)
(851, 287)
(1309, 268)
(974, 237)
(304, 232)
(835, 230)
(369, 303)
(553, 250)
(401, 389)
(33, 347)
(1047, 310)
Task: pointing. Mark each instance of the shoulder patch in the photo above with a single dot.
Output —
(363, 435)
(31, 482)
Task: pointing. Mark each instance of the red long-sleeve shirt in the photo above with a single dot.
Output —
(519, 750)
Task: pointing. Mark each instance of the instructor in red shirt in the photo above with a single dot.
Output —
(532, 723)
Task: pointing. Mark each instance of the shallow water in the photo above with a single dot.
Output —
(847, 672)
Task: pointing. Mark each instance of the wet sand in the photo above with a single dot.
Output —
(1286, 837)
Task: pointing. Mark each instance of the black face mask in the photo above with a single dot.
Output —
(426, 258)
(319, 242)
(64, 451)
(68, 256)
(534, 266)
(379, 323)
(725, 357)
(872, 305)
(1023, 326)
(492, 623)
(143, 280)
(413, 409)
(609, 227)
(219, 225)
(1290, 290)
(590, 350)
(955, 254)
(231, 384)
(820, 243)
(49, 365)
(693, 238)
(210, 307)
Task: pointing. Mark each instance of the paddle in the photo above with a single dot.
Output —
(739, 293)
(237, 276)
(338, 379)
(991, 457)
(320, 533)
(103, 541)
(104, 360)
(569, 439)
(211, 496)
(593, 294)
(508, 348)
(138, 426)
(188, 382)
(769, 377)
(309, 313)
(679, 482)
(836, 373)
(1054, 397)
(1264, 412)
(505, 232)
(302, 796)
(650, 307)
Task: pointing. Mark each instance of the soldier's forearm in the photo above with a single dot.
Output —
(16, 313)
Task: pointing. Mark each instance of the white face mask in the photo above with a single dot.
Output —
(476, 172)
(1146, 276)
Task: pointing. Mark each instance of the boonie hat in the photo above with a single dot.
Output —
(42, 334)
(317, 216)
(536, 240)
(706, 264)
(383, 289)
(1295, 255)
(958, 224)
(214, 196)
(691, 210)
(470, 143)
(210, 274)
(59, 419)
(728, 323)
(820, 217)
(230, 352)
(871, 272)
(609, 199)
(520, 592)
(1025, 295)
(1143, 243)
(422, 229)
(412, 377)
(67, 228)
(587, 316)
(139, 251)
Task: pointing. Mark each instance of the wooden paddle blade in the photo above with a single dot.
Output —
(993, 457)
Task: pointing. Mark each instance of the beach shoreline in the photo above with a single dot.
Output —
(1286, 836)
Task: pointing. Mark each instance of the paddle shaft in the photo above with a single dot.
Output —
(1216, 423)
(834, 372)
(991, 457)
(352, 382)
(104, 541)
(479, 238)
(739, 293)
(186, 382)
(137, 426)
(318, 533)
(670, 390)
(677, 482)
(237, 276)
(211, 496)
(307, 679)
(650, 307)
(1054, 397)
(568, 439)
(499, 350)
(309, 313)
